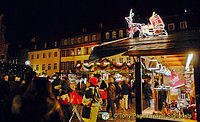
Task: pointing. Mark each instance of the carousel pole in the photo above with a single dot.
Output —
(138, 91)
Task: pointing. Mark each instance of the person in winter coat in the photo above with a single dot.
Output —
(38, 104)
(146, 89)
(118, 94)
(55, 86)
(103, 86)
(111, 97)
(125, 93)
(64, 94)
(92, 98)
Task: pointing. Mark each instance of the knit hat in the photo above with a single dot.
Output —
(93, 80)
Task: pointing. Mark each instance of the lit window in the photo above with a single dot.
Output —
(63, 53)
(72, 52)
(43, 55)
(94, 37)
(49, 55)
(55, 44)
(45, 45)
(63, 65)
(49, 66)
(55, 54)
(121, 33)
(86, 50)
(37, 56)
(35, 47)
(114, 34)
(171, 26)
(68, 52)
(107, 35)
(37, 67)
(128, 60)
(79, 39)
(183, 25)
(86, 38)
(55, 66)
(79, 51)
(121, 60)
(72, 41)
(32, 56)
(113, 60)
(65, 42)
(43, 66)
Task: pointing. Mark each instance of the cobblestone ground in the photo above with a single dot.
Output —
(121, 115)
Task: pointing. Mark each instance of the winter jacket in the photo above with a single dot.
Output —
(125, 89)
(93, 95)
(103, 85)
(111, 91)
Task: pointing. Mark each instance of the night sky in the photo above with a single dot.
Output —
(49, 19)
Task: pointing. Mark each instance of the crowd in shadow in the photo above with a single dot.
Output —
(30, 100)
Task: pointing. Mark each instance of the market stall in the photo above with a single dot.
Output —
(172, 52)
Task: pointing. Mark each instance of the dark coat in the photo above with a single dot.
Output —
(103, 85)
(27, 110)
(111, 91)
(125, 88)
(118, 89)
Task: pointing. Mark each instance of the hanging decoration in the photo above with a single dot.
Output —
(155, 28)
(175, 80)
(88, 66)
(106, 65)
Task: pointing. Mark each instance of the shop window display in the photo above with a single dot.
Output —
(168, 95)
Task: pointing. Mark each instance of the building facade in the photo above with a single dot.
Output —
(45, 61)
(77, 50)
(3, 45)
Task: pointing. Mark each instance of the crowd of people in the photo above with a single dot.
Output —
(37, 99)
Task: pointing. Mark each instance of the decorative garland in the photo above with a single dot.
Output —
(103, 66)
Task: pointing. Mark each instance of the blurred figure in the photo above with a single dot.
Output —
(56, 84)
(118, 93)
(28, 77)
(4, 100)
(66, 108)
(111, 97)
(125, 93)
(38, 104)
(92, 98)
(146, 90)
(103, 86)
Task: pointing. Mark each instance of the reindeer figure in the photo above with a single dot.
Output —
(155, 28)
(133, 27)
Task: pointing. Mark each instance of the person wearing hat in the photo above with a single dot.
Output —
(92, 98)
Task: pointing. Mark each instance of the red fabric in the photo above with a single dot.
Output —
(93, 80)
(75, 98)
(104, 94)
(63, 102)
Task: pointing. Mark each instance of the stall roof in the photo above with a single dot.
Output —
(176, 43)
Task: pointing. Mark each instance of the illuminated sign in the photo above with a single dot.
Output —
(154, 28)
